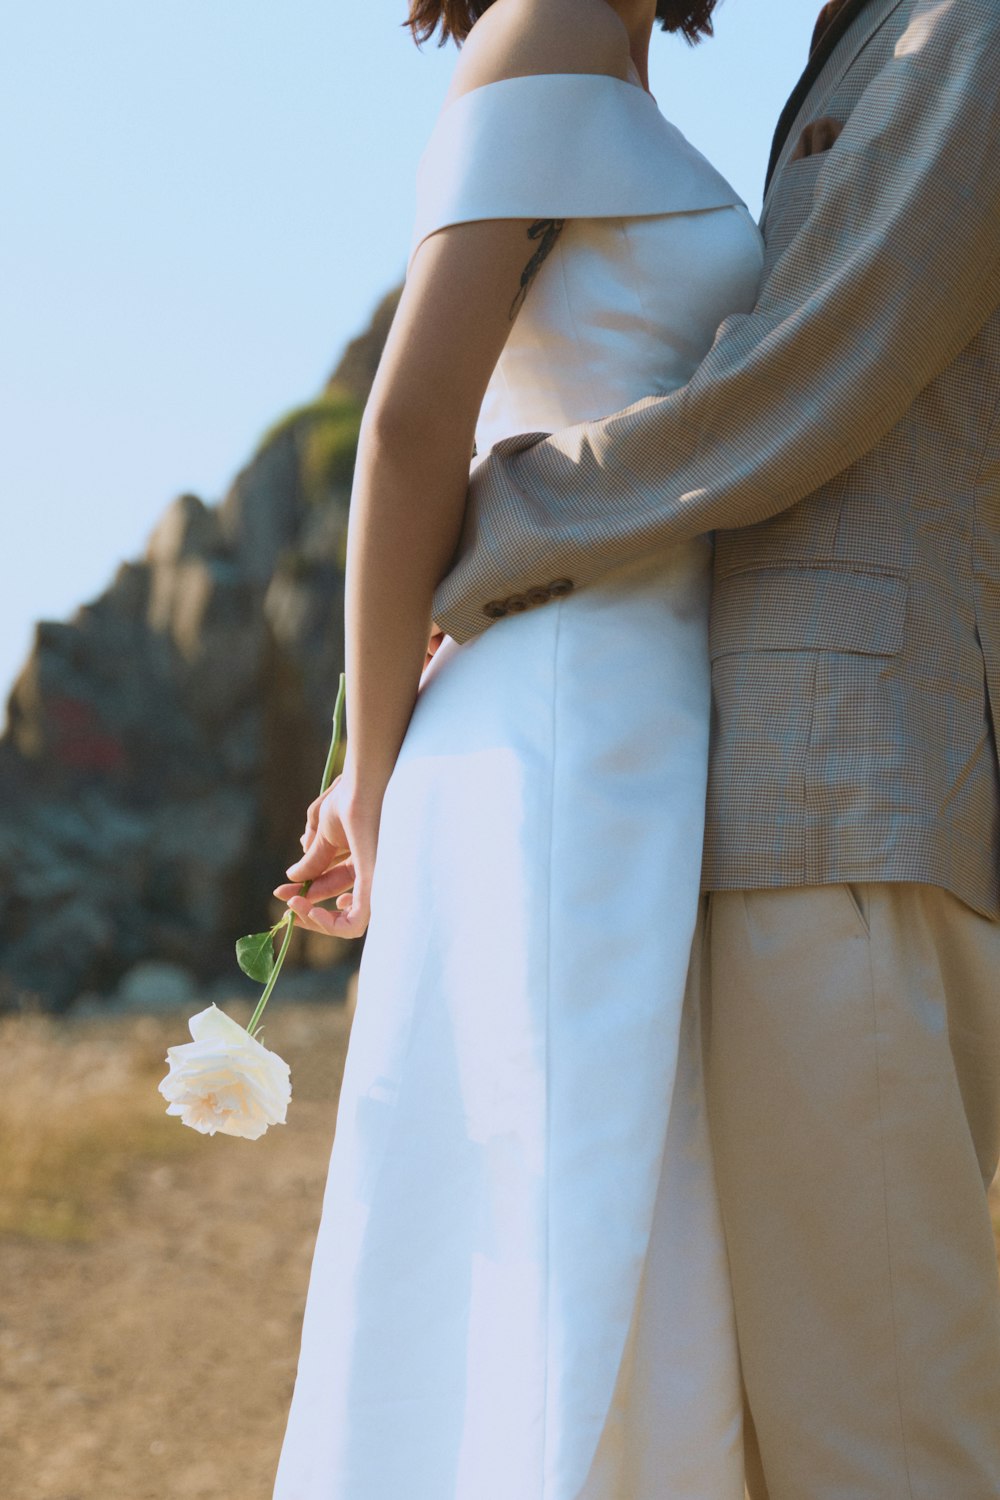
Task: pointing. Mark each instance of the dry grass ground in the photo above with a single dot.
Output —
(152, 1279)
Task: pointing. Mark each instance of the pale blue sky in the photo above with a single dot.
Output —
(202, 202)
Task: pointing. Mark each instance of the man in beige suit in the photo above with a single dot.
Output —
(843, 441)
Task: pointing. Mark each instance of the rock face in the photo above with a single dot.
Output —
(162, 745)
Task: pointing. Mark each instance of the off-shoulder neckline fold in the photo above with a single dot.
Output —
(635, 88)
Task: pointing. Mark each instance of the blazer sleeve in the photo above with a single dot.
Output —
(893, 273)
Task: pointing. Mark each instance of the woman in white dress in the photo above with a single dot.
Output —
(519, 1287)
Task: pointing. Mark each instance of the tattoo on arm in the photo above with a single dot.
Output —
(546, 231)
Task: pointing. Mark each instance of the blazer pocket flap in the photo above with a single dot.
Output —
(803, 607)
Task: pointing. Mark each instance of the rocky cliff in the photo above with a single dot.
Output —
(161, 746)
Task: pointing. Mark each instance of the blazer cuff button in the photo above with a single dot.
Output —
(560, 586)
(538, 596)
(494, 609)
(516, 603)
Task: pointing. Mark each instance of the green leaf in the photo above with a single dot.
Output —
(255, 956)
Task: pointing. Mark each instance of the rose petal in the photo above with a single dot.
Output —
(225, 1080)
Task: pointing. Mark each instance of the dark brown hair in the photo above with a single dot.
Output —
(692, 18)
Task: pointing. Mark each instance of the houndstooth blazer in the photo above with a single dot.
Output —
(843, 442)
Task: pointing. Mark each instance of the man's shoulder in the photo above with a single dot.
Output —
(930, 24)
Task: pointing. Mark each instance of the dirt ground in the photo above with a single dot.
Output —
(152, 1279)
(148, 1337)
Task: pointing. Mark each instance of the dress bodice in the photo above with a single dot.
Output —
(657, 248)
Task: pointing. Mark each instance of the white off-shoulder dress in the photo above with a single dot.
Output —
(519, 1287)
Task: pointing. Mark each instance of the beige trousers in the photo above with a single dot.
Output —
(852, 1045)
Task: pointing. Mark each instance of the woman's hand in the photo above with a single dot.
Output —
(817, 137)
(340, 842)
(434, 642)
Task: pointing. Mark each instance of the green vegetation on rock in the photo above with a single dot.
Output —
(326, 438)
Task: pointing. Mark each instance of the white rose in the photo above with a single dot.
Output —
(225, 1079)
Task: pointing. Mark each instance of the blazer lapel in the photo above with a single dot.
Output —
(844, 38)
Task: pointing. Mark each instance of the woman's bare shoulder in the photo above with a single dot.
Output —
(514, 38)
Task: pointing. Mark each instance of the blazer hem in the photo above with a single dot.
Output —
(761, 870)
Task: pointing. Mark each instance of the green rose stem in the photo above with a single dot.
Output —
(288, 920)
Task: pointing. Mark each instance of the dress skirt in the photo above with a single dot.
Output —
(519, 1287)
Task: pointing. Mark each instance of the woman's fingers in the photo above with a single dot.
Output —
(354, 909)
(340, 841)
(313, 918)
(434, 641)
(341, 923)
(817, 136)
(351, 915)
(313, 814)
(830, 132)
(312, 823)
(318, 858)
(329, 844)
(339, 879)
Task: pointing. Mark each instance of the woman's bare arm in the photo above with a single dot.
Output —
(413, 468)
(464, 289)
